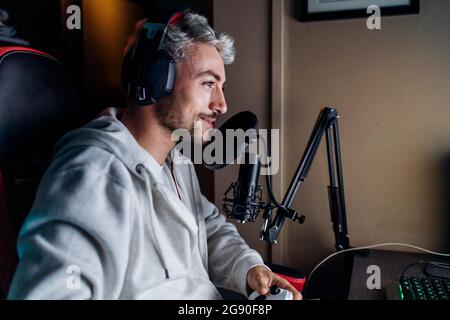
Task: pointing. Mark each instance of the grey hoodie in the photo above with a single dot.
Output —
(109, 222)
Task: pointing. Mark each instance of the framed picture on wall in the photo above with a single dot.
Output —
(316, 10)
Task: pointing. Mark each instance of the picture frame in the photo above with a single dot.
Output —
(320, 10)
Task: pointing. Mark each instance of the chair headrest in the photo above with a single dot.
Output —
(37, 103)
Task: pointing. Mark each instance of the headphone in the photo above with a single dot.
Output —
(148, 71)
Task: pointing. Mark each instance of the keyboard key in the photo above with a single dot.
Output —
(415, 288)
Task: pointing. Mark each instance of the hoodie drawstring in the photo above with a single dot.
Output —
(145, 174)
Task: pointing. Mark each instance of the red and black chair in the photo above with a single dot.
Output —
(37, 106)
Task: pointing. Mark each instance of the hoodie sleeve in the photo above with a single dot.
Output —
(229, 257)
(75, 242)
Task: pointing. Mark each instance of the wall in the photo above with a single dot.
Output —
(106, 26)
(391, 88)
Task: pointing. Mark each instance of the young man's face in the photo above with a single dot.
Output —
(198, 97)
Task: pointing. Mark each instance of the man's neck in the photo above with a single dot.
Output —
(145, 128)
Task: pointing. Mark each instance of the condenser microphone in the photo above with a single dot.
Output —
(242, 200)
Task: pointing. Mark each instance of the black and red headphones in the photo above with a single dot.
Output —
(148, 71)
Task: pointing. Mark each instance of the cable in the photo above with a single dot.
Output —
(268, 176)
(395, 244)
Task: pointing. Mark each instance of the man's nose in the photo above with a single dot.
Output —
(219, 104)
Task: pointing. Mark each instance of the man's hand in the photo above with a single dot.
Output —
(261, 279)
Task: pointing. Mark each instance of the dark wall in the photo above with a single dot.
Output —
(161, 10)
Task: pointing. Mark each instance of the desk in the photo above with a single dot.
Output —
(344, 277)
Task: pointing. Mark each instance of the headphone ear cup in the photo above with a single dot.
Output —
(148, 73)
(161, 76)
(134, 80)
(153, 82)
(141, 92)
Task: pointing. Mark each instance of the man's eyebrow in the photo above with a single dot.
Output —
(209, 72)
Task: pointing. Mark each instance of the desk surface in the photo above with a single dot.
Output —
(345, 276)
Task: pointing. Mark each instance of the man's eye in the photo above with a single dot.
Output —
(210, 84)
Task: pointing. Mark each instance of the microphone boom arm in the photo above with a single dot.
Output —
(326, 124)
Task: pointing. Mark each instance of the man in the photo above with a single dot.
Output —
(119, 213)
